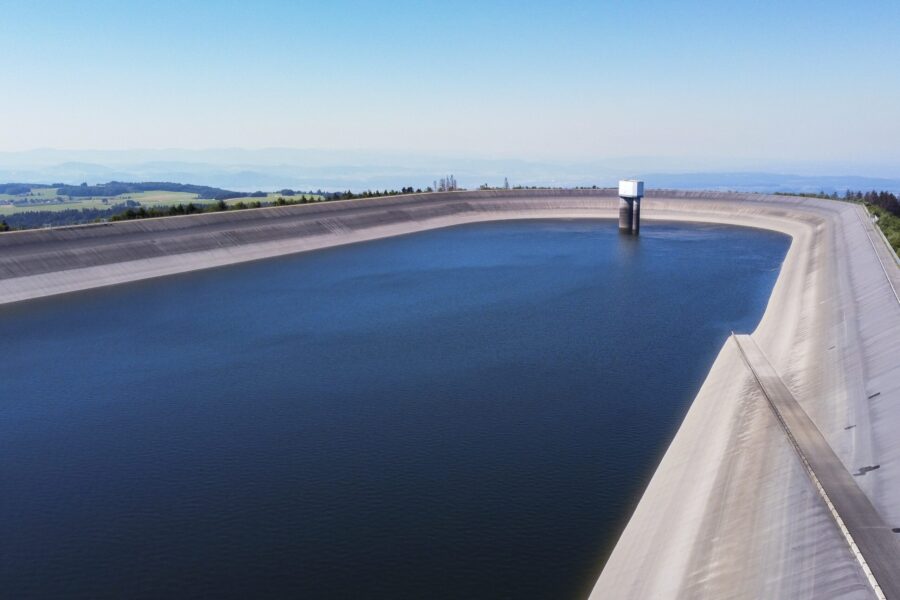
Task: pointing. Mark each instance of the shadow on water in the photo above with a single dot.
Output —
(628, 245)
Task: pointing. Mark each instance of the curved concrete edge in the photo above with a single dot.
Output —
(79, 279)
(730, 510)
(160, 257)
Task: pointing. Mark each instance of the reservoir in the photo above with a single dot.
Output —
(470, 412)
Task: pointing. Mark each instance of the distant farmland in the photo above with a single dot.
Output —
(148, 199)
(29, 206)
(47, 199)
(36, 205)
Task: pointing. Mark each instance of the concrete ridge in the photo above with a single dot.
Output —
(870, 539)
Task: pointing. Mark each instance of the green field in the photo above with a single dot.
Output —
(46, 199)
(101, 202)
(158, 198)
(36, 194)
(39, 193)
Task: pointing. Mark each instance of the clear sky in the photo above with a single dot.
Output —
(535, 80)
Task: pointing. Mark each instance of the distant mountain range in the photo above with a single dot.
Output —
(272, 169)
(769, 182)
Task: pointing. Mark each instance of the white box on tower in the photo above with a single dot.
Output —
(631, 188)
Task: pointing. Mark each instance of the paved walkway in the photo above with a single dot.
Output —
(875, 546)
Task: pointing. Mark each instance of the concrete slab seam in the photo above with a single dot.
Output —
(854, 549)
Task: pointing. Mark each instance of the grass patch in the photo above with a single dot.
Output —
(889, 224)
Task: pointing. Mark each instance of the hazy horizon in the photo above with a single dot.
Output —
(249, 156)
(310, 169)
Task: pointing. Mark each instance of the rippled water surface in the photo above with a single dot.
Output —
(464, 413)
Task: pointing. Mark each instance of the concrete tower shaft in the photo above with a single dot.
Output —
(626, 214)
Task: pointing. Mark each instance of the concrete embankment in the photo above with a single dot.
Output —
(47, 262)
(731, 511)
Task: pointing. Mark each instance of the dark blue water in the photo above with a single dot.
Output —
(464, 413)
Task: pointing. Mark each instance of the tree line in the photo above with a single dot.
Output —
(34, 219)
(348, 195)
(885, 206)
(190, 208)
(16, 189)
(884, 200)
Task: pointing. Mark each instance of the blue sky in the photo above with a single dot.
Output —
(817, 81)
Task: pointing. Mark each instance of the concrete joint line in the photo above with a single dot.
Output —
(854, 548)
